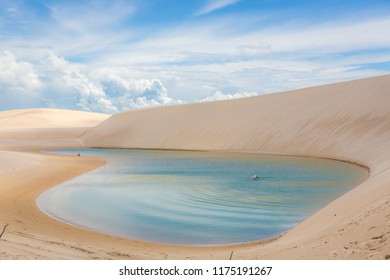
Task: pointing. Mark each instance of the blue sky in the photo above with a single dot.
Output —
(115, 55)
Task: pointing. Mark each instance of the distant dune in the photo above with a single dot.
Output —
(46, 118)
(346, 121)
(45, 127)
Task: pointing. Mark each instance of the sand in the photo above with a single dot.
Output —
(346, 121)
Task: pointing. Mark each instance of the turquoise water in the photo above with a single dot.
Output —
(197, 198)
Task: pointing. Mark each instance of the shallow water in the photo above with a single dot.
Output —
(197, 198)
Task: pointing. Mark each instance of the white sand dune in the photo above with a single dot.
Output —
(49, 118)
(45, 127)
(347, 121)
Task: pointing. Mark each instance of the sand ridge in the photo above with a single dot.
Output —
(347, 121)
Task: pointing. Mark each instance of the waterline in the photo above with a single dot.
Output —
(197, 198)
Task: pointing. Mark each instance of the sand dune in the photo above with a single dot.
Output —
(45, 127)
(46, 118)
(347, 121)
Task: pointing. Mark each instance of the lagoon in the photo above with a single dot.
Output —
(197, 198)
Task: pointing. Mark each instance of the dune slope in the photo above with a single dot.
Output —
(348, 120)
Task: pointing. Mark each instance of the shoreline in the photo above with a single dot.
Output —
(91, 163)
(254, 242)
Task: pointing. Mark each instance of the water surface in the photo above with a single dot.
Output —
(197, 198)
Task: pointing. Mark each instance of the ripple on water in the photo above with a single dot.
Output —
(197, 198)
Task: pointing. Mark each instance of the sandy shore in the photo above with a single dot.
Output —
(346, 121)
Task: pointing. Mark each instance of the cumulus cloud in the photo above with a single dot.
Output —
(218, 95)
(106, 90)
(56, 82)
(115, 86)
(17, 76)
(127, 93)
(19, 84)
(66, 85)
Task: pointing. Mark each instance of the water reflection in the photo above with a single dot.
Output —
(197, 198)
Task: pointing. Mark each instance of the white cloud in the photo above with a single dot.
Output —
(218, 95)
(17, 75)
(212, 5)
(71, 28)
(18, 80)
(136, 66)
(329, 38)
(129, 93)
(105, 89)
(56, 82)
(205, 58)
(213, 38)
(66, 85)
